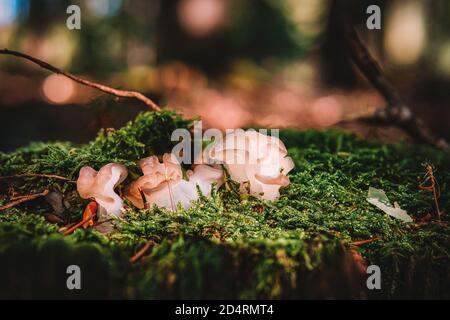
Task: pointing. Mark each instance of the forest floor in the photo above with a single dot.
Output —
(303, 245)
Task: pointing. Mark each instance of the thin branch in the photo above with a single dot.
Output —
(64, 228)
(101, 87)
(142, 251)
(37, 175)
(89, 214)
(362, 242)
(397, 111)
(79, 224)
(433, 187)
(24, 199)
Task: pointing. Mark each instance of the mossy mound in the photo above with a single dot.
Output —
(227, 245)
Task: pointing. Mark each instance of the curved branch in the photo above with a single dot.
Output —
(142, 251)
(23, 199)
(36, 175)
(397, 111)
(101, 87)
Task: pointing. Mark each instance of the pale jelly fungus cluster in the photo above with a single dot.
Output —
(250, 158)
(163, 184)
(253, 158)
(100, 185)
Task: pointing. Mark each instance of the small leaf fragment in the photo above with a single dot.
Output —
(378, 198)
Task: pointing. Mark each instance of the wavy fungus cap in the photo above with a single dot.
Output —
(162, 183)
(252, 157)
(100, 186)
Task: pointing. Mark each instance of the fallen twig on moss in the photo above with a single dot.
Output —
(433, 187)
(37, 175)
(24, 198)
(267, 254)
(397, 111)
(98, 86)
(142, 251)
(88, 218)
(79, 224)
(362, 242)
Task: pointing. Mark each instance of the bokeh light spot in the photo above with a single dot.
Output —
(102, 8)
(200, 18)
(406, 33)
(9, 11)
(326, 111)
(58, 89)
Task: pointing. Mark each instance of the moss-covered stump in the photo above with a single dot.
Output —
(227, 245)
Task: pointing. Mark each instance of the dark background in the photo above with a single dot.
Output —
(233, 62)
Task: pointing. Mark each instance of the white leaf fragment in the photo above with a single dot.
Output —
(379, 199)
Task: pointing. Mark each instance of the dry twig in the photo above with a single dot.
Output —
(142, 251)
(87, 221)
(22, 199)
(101, 87)
(36, 175)
(433, 187)
(79, 224)
(362, 242)
(396, 111)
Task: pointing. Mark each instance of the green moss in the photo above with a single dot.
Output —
(149, 133)
(227, 246)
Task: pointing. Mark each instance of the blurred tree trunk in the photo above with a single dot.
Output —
(337, 68)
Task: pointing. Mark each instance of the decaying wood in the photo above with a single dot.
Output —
(101, 87)
(397, 111)
(23, 199)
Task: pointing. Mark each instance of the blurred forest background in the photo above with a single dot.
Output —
(235, 63)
